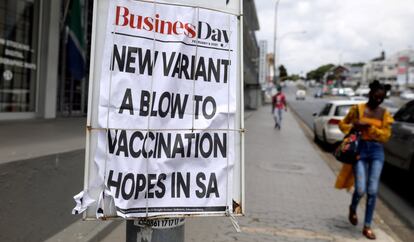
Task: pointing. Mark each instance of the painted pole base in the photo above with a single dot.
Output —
(155, 230)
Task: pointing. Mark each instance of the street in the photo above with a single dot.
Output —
(395, 187)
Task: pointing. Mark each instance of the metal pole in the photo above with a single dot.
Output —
(157, 230)
(274, 43)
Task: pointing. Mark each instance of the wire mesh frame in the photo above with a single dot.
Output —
(228, 201)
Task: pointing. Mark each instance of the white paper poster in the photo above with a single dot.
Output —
(166, 127)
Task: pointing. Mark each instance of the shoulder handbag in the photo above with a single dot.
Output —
(348, 151)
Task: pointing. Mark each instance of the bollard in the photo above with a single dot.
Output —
(155, 230)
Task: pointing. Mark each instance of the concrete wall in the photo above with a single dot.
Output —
(252, 97)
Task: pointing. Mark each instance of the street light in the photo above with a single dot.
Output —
(280, 43)
(274, 41)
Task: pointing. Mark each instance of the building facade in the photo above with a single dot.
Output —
(252, 88)
(336, 76)
(396, 70)
(35, 80)
(263, 63)
(354, 77)
(381, 68)
(44, 56)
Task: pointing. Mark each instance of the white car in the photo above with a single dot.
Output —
(338, 91)
(300, 94)
(407, 95)
(358, 98)
(349, 92)
(362, 91)
(325, 123)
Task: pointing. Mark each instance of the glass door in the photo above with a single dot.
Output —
(19, 24)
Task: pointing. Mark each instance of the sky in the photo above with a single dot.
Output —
(337, 31)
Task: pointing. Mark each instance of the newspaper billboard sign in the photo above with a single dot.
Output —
(165, 129)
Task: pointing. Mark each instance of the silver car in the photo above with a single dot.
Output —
(325, 123)
(399, 150)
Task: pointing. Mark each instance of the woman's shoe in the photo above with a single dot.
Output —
(353, 218)
(367, 232)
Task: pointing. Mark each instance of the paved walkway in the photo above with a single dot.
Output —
(21, 140)
(289, 193)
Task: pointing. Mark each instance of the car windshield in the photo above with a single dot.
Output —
(342, 110)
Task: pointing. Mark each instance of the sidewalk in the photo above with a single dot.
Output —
(289, 193)
(36, 138)
(41, 168)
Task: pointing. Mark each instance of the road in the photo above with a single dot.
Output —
(396, 186)
(305, 109)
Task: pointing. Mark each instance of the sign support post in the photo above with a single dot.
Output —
(138, 233)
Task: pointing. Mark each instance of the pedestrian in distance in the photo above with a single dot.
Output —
(278, 105)
(374, 124)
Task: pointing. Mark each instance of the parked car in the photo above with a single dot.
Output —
(339, 91)
(358, 98)
(362, 91)
(349, 92)
(325, 123)
(300, 94)
(407, 95)
(318, 93)
(390, 106)
(335, 91)
(399, 150)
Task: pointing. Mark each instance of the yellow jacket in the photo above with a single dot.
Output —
(345, 178)
(380, 134)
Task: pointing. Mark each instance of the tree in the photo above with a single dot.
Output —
(282, 73)
(358, 64)
(318, 73)
(293, 77)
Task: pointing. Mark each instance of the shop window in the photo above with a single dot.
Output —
(18, 55)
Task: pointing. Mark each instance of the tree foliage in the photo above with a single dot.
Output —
(318, 73)
(282, 73)
(293, 77)
(357, 64)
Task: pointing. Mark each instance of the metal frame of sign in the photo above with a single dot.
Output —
(98, 31)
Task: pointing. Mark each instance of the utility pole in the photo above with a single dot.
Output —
(274, 43)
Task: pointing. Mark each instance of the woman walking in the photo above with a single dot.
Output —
(374, 123)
